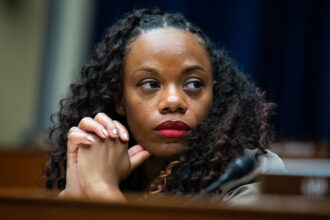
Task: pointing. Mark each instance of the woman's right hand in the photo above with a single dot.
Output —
(103, 127)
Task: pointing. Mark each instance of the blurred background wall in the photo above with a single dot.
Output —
(42, 45)
(22, 40)
(282, 45)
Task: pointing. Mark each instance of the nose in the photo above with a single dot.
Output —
(172, 100)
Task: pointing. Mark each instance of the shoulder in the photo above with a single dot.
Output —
(246, 189)
(268, 162)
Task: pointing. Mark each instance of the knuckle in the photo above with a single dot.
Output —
(117, 123)
(71, 130)
(85, 120)
(121, 127)
(99, 115)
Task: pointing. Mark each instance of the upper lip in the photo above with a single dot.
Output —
(173, 125)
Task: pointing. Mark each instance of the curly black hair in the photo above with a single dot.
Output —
(237, 120)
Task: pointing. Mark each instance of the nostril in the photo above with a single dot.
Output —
(181, 110)
(169, 110)
(165, 109)
(172, 103)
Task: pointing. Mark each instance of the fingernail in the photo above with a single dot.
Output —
(125, 136)
(105, 132)
(90, 139)
(114, 131)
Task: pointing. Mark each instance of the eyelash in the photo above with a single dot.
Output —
(200, 84)
(144, 82)
(155, 86)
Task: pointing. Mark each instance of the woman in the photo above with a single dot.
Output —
(157, 109)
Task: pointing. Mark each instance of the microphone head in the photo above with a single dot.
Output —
(241, 167)
(236, 170)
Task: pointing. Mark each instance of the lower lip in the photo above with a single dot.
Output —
(171, 133)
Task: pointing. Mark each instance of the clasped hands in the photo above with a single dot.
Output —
(98, 159)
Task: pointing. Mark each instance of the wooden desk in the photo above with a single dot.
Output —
(20, 198)
(40, 206)
(22, 168)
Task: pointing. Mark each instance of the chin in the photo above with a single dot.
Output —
(168, 150)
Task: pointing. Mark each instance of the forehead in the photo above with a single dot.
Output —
(166, 44)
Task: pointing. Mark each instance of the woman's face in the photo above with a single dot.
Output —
(167, 90)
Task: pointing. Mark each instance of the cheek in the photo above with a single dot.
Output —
(138, 114)
(199, 109)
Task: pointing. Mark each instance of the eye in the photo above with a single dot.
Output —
(148, 84)
(193, 85)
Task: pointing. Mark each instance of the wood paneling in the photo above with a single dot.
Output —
(266, 207)
(20, 168)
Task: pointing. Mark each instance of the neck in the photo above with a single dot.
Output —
(153, 166)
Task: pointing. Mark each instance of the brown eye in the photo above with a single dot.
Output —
(149, 84)
(193, 85)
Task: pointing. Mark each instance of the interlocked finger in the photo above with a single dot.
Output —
(123, 133)
(107, 123)
(89, 125)
(77, 136)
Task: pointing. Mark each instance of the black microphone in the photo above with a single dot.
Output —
(238, 169)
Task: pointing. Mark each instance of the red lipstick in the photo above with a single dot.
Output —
(172, 129)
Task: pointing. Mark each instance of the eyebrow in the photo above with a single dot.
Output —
(154, 71)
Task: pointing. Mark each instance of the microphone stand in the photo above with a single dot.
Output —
(240, 168)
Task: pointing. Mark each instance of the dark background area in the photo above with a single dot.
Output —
(282, 45)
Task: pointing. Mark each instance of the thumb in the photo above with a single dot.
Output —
(137, 155)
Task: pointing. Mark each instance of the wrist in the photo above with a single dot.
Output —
(105, 191)
(71, 194)
(62, 194)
